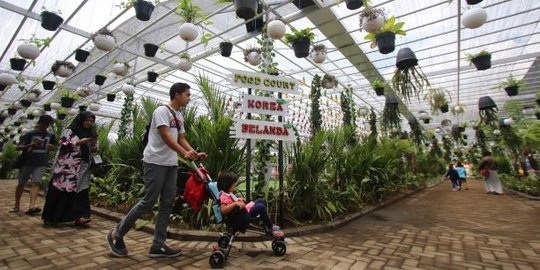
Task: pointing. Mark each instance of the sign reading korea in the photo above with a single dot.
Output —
(261, 130)
(264, 82)
(264, 105)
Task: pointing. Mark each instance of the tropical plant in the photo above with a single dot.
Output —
(390, 25)
(470, 57)
(511, 81)
(315, 96)
(436, 97)
(347, 107)
(373, 124)
(417, 136)
(9, 154)
(378, 84)
(391, 120)
(305, 33)
(489, 116)
(409, 82)
(125, 117)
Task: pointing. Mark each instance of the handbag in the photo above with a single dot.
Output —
(484, 172)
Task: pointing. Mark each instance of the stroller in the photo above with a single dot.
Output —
(223, 248)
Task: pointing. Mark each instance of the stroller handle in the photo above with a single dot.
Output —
(198, 165)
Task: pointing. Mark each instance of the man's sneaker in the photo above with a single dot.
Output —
(164, 251)
(116, 246)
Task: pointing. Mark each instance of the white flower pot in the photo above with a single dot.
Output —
(458, 109)
(36, 113)
(33, 96)
(496, 132)
(318, 56)
(94, 107)
(474, 18)
(276, 29)
(363, 111)
(128, 89)
(120, 69)
(372, 26)
(104, 42)
(7, 79)
(72, 112)
(64, 71)
(188, 32)
(55, 105)
(84, 91)
(28, 51)
(184, 64)
(423, 116)
(254, 58)
(508, 121)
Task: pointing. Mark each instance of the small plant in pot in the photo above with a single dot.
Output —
(81, 55)
(379, 86)
(300, 41)
(120, 68)
(7, 79)
(111, 97)
(84, 91)
(408, 80)
(481, 60)
(252, 55)
(25, 102)
(104, 39)
(329, 81)
(83, 108)
(47, 107)
(190, 13)
(51, 20)
(61, 113)
(458, 109)
(30, 48)
(63, 68)
(185, 62)
(152, 76)
(385, 38)
(17, 63)
(511, 85)
(372, 19)
(318, 53)
(12, 109)
(356, 4)
(225, 48)
(436, 98)
(143, 9)
(276, 28)
(150, 49)
(68, 97)
(100, 79)
(487, 109)
(33, 95)
(245, 9)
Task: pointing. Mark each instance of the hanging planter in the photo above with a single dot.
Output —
(128, 89)
(143, 10)
(363, 111)
(84, 91)
(81, 55)
(121, 68)
(152, 76)
(66, 101)
(150, 49)
(408, 81)
(28, 50)
(354, 4)
(12, 111)
(384, 38)
(61, 115)
(437, 99)
(276, 29)
(318, 53)
(329, 81)
(372, 19)
(7, 79)
(487, 110)
(474, 18)
(511, 85)
(481, 60)
(252, 55)
(82, 108)
(33, 95)
(185, 62)
(473, 2)
(2, 87)
(301, 4)
(48, 85)
(386, 42)
(225, 48)
(188, 32)
(423, 115)
(300, 41)
(94, 107)
(100, 79)
(245, 9)
(257, 23)
(111, 97)
(25, 103)
(444, 108)
(50, 20)
(17, 63)
(47, 107)
(55, 105)
(62, 68)
(390, 119)
(378, 86)
(104, 39)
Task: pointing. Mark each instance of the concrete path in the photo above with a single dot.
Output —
(433, 229)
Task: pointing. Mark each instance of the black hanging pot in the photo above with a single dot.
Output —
(47, 107)
(482, 62)
(386, 42)
(100, 79)
(111, 97)
(67, 102)
(143, 10)
(12, 111)
(301, 47)
(152, 76)
(406, 59)
(50, 21)
(150, 49)
(82, 108)
(81, 55)
(61, 116)
(473, 2)
(538, 102)
(392, 99)
(486, 102)
(379, 91)
(226, 48)
(258, 23)
(17, 63)
(354, 4)
(426, 121)
(25, 102)
(48, 85)
(30, 116)
(465, 136)
(511, 91)
(245, 9)
(300, 4)
(444, 108)
(537, 115)
(16, 123)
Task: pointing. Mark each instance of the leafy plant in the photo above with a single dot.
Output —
(377, 84)
(511, 81)
(45, 42)
(373, 124)
(185, 55)
(68, 93)
(436, 97)
(305, 33)
(470, 57)
(315, 96)
(102, 31)
(409, 82)
(458, 109)
(390, 25)
(391, 120)
(131, 3)
(489, 116)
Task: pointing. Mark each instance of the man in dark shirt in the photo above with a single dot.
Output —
(454, 177)
(35, 146)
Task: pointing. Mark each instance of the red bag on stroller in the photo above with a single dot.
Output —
(195, 193)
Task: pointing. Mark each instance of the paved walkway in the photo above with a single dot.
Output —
(433, 229)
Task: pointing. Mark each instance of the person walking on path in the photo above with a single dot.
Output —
(67, 198)
(454, 177)
(488, 168)
(35, 146)
(462, 175)
(160, 162)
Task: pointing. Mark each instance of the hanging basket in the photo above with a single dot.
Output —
(143, 10)
(81, 55)
(255, 25)
(152, 76)
(63, 71)
(406, 59)
(100, 79)
(184, 64)
(245, 9)
(17, 63)
(55, 105)
(482, 62)
(354, 4)
(254, 58)
(12, 111)
(50, 21)
(188, 32)
(7, 79)
(392, 100)
(473, 2)
(111, 97)
(301, 47)
(128, 89)
(372, 25)
(83, 91)
(225, 48)
(66, 102)
(47, 107)
(301, 4)
(94, 107)
(150, 49)
(25, 103)
(61, 116)
(28, 51)
(386, 42)
(2, 87)
(120, 69)
(276, 29)
(82, 108)
(474, 18)
(486, 102)
(511, 91)
(104, 42)
(444, 108)
(426, 121)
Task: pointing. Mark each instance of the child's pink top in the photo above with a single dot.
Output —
(228, 198)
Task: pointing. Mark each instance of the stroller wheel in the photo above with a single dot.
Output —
(279, 247)
(223, 241)
(217, 259)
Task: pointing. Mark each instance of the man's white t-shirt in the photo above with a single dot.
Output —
(156, 151)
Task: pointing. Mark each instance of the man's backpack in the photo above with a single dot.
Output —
(147, 129)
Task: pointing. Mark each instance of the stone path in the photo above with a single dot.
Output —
(433, 229)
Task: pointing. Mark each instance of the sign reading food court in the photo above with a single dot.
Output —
(264, 82)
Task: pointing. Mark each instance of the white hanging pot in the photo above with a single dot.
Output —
(84, 91)
(318, 56)
(363, 111)
(64, 71)
(423, 116)
(184, 64)
(128, 89)
(254, 58)
(72, 111)
(33, 96)
(276, 29)
(508, 121)
(104, 42)
(496, 132)
(120, 69)
(7, 79)
(458, 109)
(28, 51)
(188, 32)
(94, 107)
(36, 113)
(18, 106)
(55, 105)
(5, 113)
(374, 25)
(474, 18)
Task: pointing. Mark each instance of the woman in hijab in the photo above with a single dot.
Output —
(67, 198)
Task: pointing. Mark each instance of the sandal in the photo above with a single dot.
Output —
(14, 210)
(33, 210)
(82, 221)
(276, 232)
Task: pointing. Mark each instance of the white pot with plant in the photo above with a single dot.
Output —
(252, 55)
(185, 62)
(318, 53)
(474, 18)
(7, 79)
(72, 111)
(372, 19)
(128, 89)
(84, 91)
(189, 14)
(29, 49)
(94, 107)
(276, 28)
(55, 105)
(121, 68)
(329, 81)
(63, 68)
(363, 111)
(104, 39)
(33, 95)
(37, 113)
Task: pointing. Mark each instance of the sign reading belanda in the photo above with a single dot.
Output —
(261, 130)
(264, 82)
(264, 105)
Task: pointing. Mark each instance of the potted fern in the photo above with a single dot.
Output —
(385, 38)
(379, 86)
(50, 20)
(300, 41)
(185, 62)
(104, 39)
(481, 60)
(511, 85)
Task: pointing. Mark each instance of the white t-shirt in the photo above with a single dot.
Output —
(156, 151)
